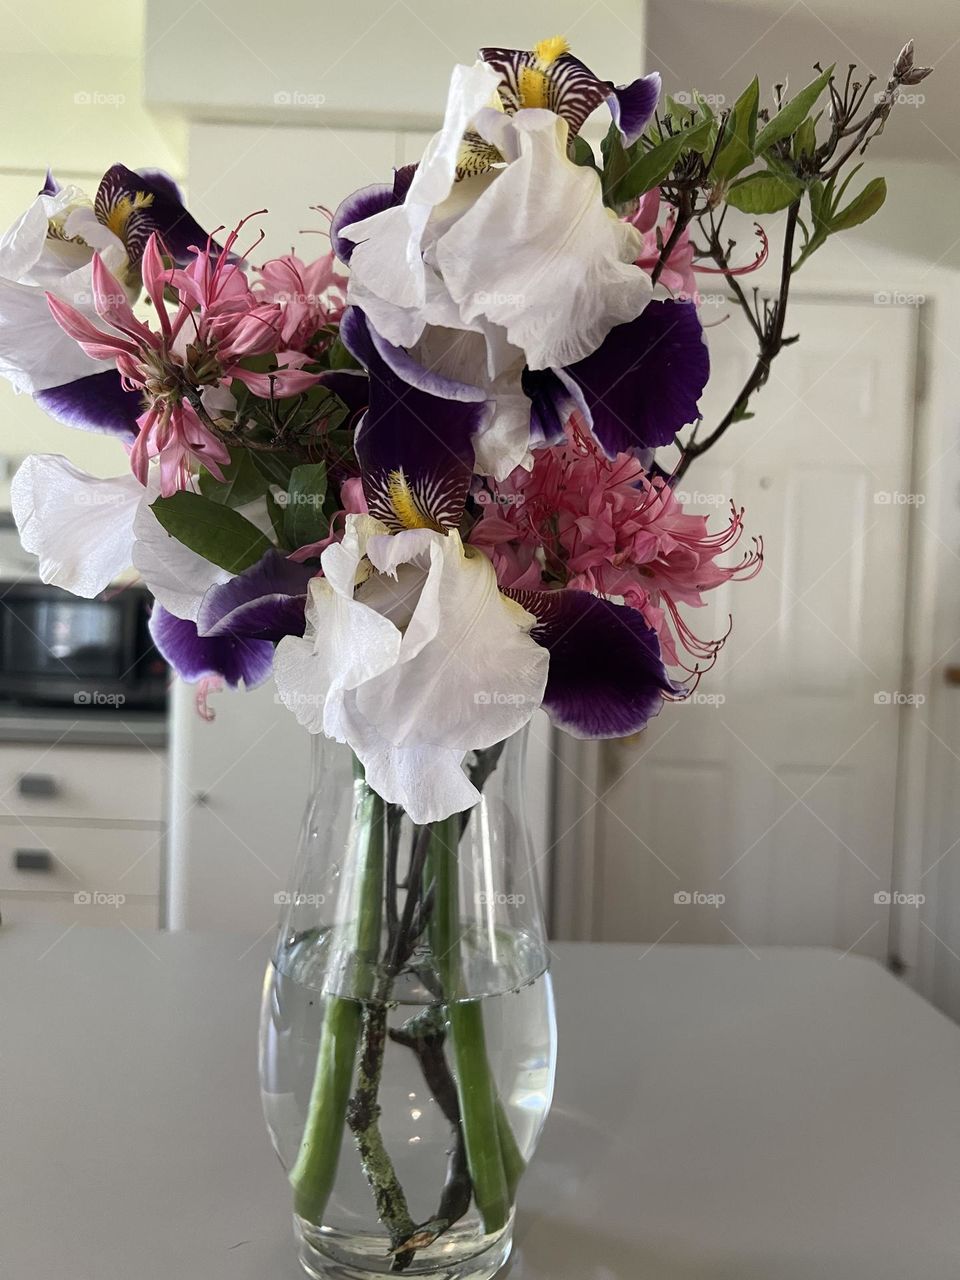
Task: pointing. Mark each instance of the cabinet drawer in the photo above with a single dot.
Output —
(139, 914)
(81, 782)
(80, 860)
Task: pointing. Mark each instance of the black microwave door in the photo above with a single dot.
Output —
(57, 636)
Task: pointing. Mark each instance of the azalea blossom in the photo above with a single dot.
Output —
(311, 296)
(581, 520)
(219, 323)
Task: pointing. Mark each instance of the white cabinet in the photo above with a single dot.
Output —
(81, 835)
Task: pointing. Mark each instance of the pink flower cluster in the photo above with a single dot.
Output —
(184, 368)
(579, 519)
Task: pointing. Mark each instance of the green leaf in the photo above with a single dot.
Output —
(861, 207)
(793, 114)
(216, 532)
(805, 139)
(275, 467)
(764, 193)
(338, 357)
(244, 483)
(614, 163)
(647, 169)
(740, 133)
(581, 152)
(706, 110)
(303, 518)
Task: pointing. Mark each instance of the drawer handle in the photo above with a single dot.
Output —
(41, 786)
(33, 860)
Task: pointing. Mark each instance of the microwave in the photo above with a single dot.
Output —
(59, 650)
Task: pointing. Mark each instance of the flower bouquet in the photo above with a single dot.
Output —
(426, 496)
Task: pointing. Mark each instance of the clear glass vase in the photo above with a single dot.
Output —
(408, 1044)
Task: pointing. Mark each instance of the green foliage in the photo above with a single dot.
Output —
(826, 216)
(303, 515)
(211, 529)
(740, 134)
(244, 483)
(793, 114)
(764, 192)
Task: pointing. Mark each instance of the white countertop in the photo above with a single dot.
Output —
(720, 1115)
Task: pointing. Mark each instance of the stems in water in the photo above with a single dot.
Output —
(315, 1170)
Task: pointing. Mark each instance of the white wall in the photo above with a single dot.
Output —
(78, 113)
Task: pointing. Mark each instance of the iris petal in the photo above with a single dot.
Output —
(606, 677)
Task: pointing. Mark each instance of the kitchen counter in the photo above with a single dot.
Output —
(69, 727)
(720, 1115)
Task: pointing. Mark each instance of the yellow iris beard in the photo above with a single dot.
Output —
(125, 207)
(549, 50)
(533, 83)
(404, 504)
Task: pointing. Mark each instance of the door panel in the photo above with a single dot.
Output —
(774, 786)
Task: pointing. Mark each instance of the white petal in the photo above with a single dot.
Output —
(177, 576)
(81, 527)
(345, 644)
(427, 781)
(482, 357)
(469, 674)
(387, 262)
(35, 353)
(539, 254)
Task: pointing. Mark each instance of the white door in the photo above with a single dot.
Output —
(771, 794)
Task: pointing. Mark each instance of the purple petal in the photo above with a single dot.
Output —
(98, 402)
(644, 381)
(50, 185)
(349, 385)
(551, 404)
(361, 204)
(135, 205)
(414, 444)
(193, 656)
(632, 106)
(606, 676)
(265, 602)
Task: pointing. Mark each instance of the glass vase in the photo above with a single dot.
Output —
(408, 1043)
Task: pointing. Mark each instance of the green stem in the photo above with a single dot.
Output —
(315, 1170)
(479, 1104)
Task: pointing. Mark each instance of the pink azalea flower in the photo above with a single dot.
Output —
(579, 519)
(312, 296)
(677, 274)
(219, 322)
